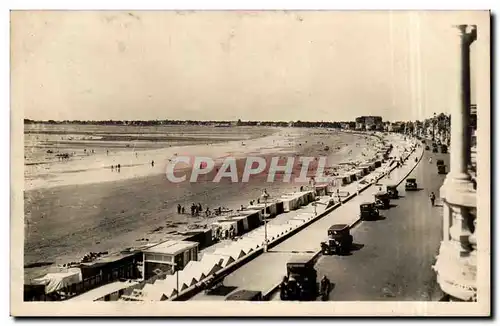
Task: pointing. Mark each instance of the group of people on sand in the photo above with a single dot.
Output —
(118, 166)
(197, 210)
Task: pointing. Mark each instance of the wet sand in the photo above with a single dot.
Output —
(65, 222)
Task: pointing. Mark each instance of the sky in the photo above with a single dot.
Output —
(276, 65)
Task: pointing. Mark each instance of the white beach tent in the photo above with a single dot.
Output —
(245, 245)
(235, 253)
(168, 286)
(196, 270)
(57, 281)
(187, 277)
(153, 292)
(294, 223)
(210, 265)
(224, 259)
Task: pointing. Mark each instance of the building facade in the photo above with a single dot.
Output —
(369, 123)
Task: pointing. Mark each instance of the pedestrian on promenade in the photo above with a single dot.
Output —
(433, 198)
(430, 159)
(178, 208)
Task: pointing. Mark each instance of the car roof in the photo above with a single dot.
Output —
(300, 259)
(411, 179)
(338, 227)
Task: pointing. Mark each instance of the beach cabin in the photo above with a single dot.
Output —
(359, 174)
(254, 217)
(111, 268)
(238, 222)
(204, 237)
(321, 190)
(163, 257)
(291, 201)
(308, 197)
(341, 180)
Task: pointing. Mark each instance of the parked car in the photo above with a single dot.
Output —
(368, 211)
(339, 240)
(392, 190)
(411, 184)
(300, 281)
(382, 200)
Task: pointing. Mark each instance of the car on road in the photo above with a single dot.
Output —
(392, 190)
(368, 211)
(245, 295)
(435, 150)
(411, 184)
(427, 147)
(444, 149)
(382, 200)
(300, 284)
(339, 240)
(441, 169)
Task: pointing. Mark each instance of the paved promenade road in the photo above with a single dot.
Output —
(268, 269)
(396, 254)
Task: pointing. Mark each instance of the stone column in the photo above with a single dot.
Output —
(456, 262)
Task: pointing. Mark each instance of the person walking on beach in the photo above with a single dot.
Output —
(183, 210)
(178, 208)
(433, 198)
(152, 163)
(112, 168)
(119, 166)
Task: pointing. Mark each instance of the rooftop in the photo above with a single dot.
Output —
(102, 291)
(172, 247)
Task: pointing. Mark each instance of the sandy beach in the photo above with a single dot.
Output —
(83, 206)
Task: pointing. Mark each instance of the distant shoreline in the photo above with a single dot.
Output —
(213, 123)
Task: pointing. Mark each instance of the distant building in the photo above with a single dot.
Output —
(345, 125)
(369, 123)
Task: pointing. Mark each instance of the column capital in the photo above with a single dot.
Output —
(458, 192)
(467, 33)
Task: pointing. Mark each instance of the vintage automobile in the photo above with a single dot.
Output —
(435, 150)
(339, 240)
(427, 147)
(392, 191)
(245, 295)
(441, 169)
(368, 211)
(439, 162)
(382, 200)
(444, 149)
(411, 184)
(300, 281)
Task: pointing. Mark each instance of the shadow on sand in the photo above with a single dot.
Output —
(222, 290)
